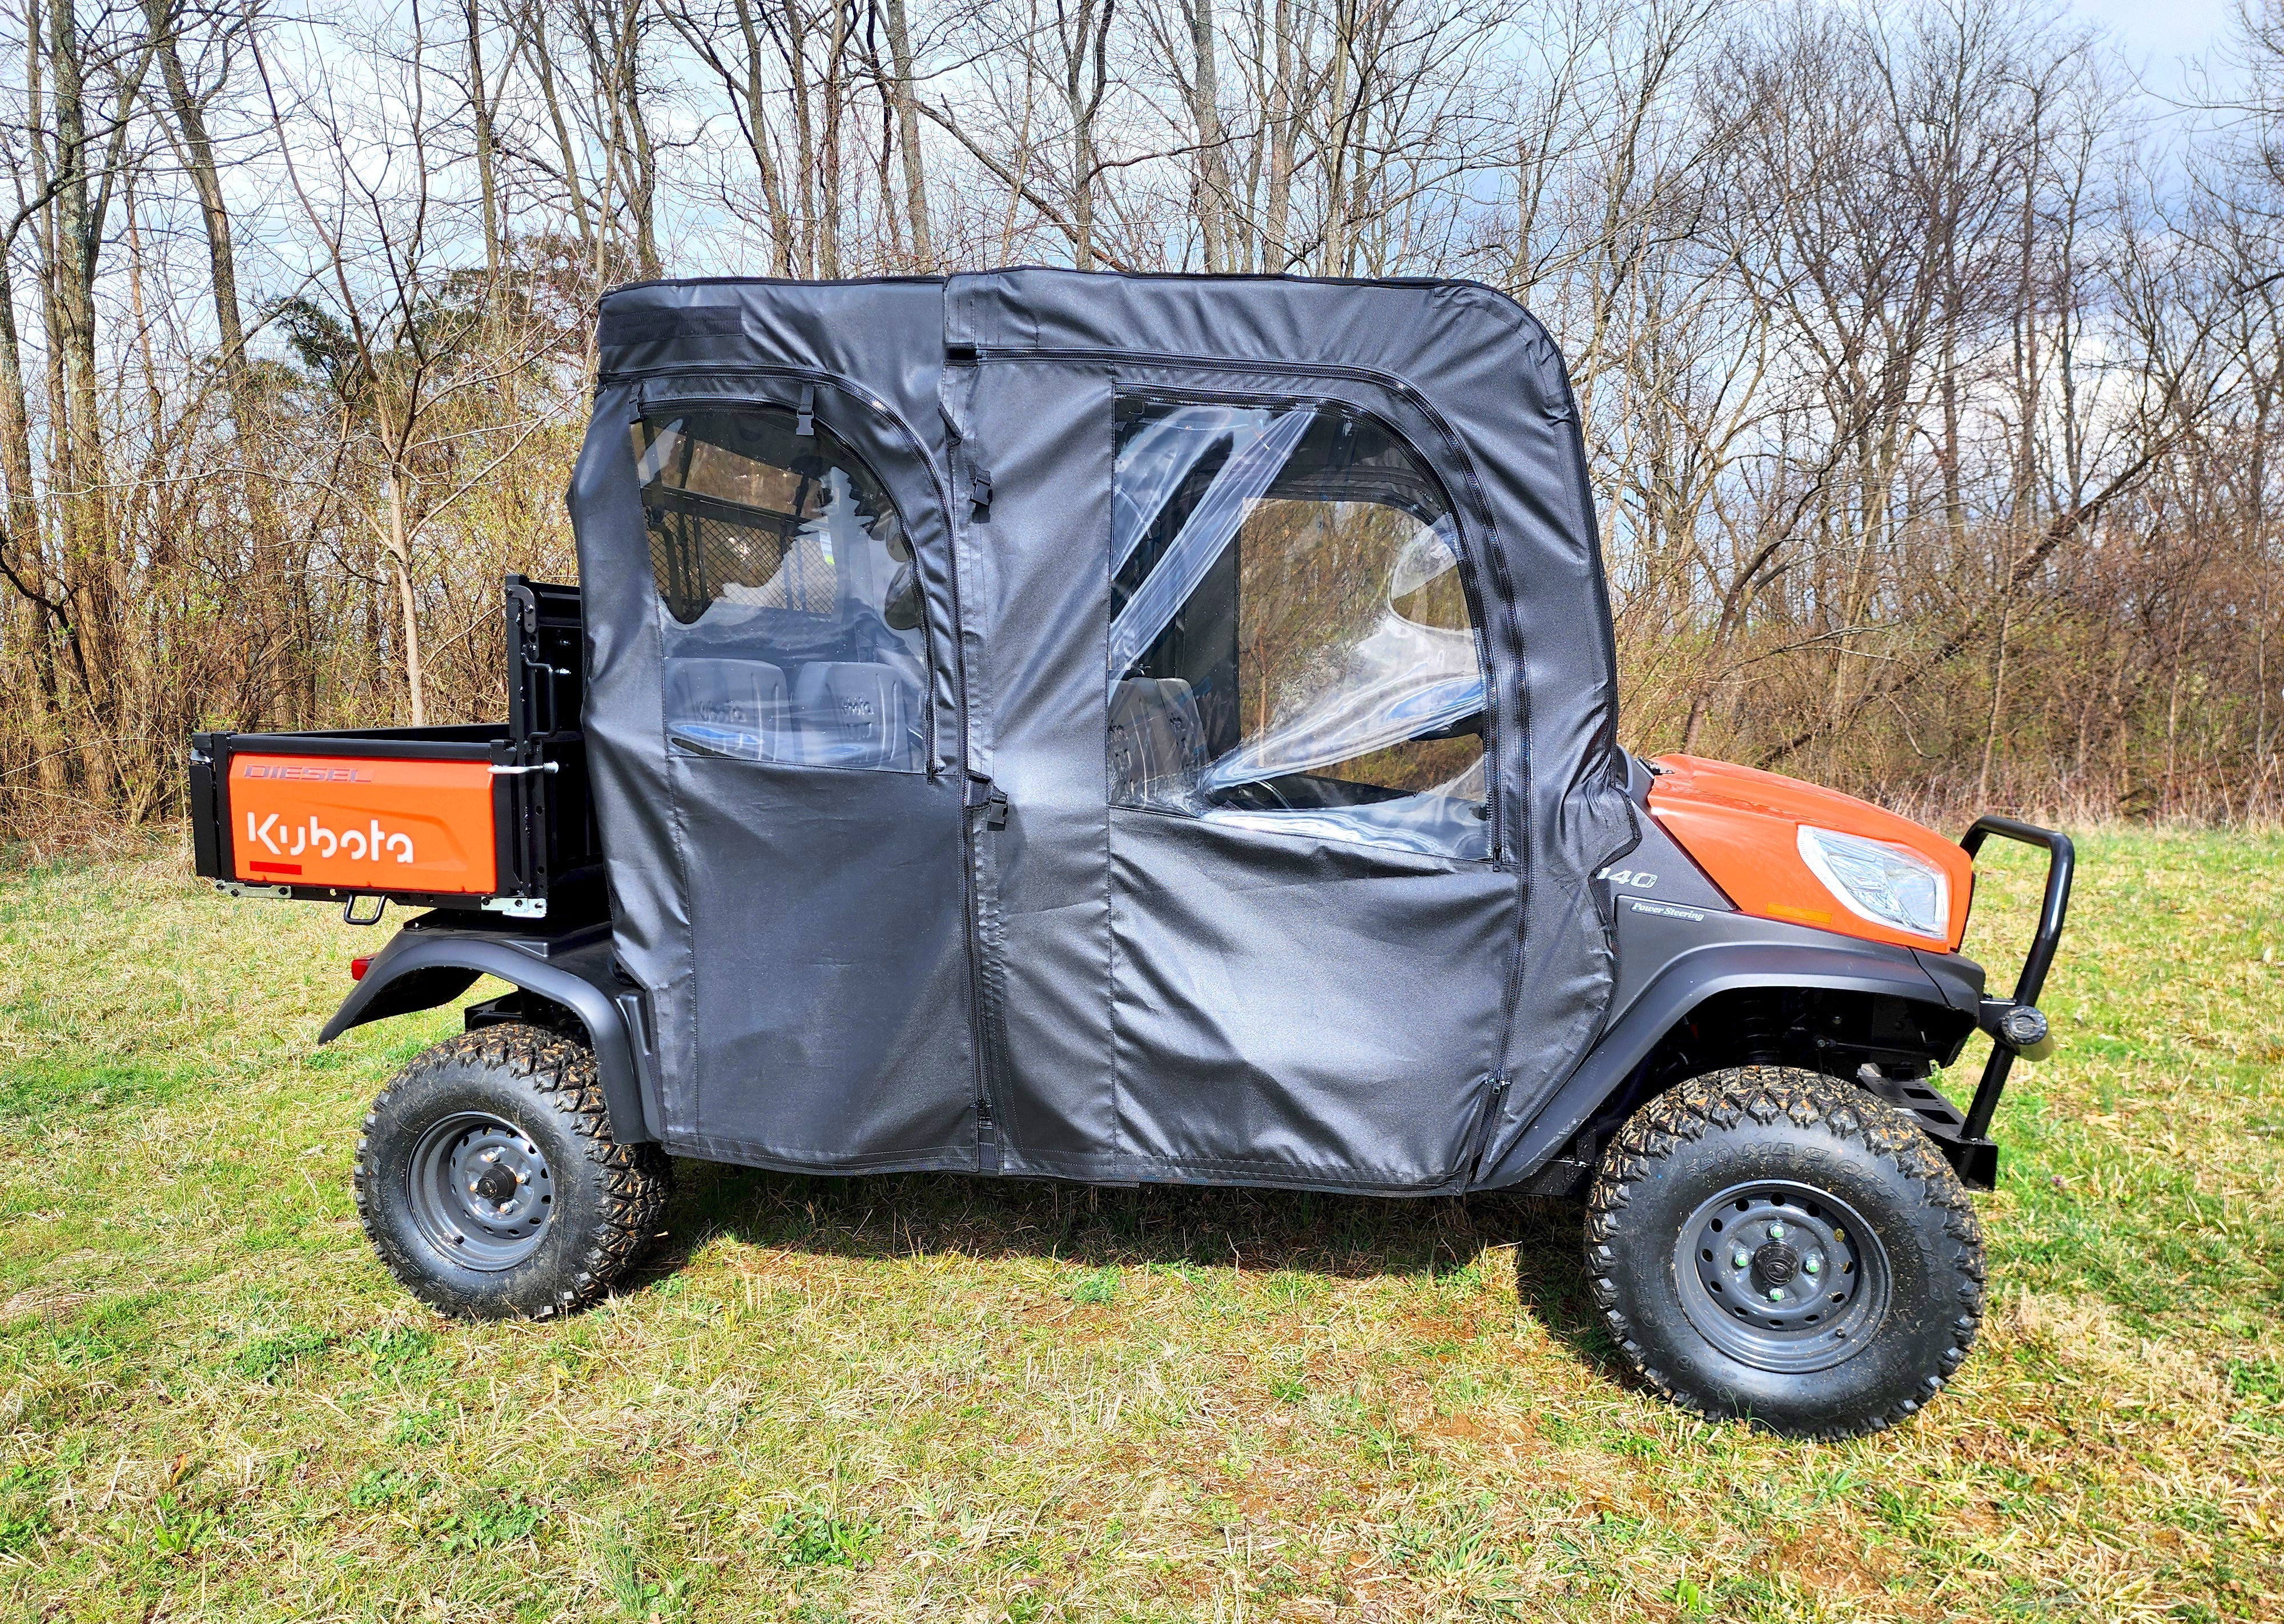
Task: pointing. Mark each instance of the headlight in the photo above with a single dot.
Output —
(1888, 885)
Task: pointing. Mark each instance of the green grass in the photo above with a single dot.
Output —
(934, 1398)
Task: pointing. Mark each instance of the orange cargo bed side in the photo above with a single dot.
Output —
(366, 824)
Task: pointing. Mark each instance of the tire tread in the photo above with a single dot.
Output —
(562, 1076)
(1765, 1093)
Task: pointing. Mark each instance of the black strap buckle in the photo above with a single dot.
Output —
(990, 799)
(804, 423)
(979, 492)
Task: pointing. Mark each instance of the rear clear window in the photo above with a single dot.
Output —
(1291, 648)
(792, 618)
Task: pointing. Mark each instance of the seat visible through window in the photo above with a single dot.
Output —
(1291, 647)
(791, 614)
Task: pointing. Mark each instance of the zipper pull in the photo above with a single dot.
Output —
(987, 1138)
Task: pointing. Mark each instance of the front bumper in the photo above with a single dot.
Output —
(2017, 1029)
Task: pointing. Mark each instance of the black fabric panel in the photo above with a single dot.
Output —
(1478, 364)
(830, 965)
(800, 932)
(1034, 580)
(626, 746)
(1298, 1011)
(631, 327)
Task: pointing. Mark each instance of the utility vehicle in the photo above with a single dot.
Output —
(1141, 731)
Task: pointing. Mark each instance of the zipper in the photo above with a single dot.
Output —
(1479, 1141)
(987, 1138)
(984, 812)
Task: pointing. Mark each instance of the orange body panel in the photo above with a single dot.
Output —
(368, 825)
(1742, 825)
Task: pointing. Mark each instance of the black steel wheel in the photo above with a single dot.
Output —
(489, 1183)
(480, 1190)
(1782, 1246)
(1781, 1277)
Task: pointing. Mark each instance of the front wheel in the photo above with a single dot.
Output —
(489, 1183)
(1782, 1246)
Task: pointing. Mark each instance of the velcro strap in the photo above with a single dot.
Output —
(622, 327)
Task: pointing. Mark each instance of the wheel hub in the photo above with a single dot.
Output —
(1780, 1276)
(1776, 1263)
(480, 1190)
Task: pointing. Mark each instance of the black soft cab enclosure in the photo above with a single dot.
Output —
(1090, 727)
(1163, 730)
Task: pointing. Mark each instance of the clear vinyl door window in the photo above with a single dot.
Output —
(1291, 648)
(792, 617)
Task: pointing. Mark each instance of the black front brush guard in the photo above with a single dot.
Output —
(2014, 1024)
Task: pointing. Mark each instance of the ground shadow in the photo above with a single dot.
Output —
(1263, 1231)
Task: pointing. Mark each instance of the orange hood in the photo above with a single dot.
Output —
(1741, 825)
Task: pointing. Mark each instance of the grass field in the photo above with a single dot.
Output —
(932, 1397)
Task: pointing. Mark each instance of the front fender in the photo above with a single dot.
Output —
(1673, 959)
(421, 968)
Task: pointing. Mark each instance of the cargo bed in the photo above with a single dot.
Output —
(489, 815)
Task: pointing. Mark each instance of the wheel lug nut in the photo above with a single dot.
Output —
(1814, 1266)
(1776, 1231)
(1740, 1259)
(1776, 1293)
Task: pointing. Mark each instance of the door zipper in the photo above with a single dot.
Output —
(1479, 1141)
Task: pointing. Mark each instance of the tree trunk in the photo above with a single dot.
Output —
(400, 558)
(796, 47)
(755, 120)
(1205, 116)
(575, 191)
(908, 139)
(1276, 257)
(486, 182)
(836, 78)
(273, 686)
(23, 553)
(71, 303)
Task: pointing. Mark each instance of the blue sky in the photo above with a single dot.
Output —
(2157, 31)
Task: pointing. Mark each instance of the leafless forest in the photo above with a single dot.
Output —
(1932, 366)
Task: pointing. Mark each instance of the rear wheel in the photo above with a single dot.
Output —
(489, 1183)
(1782, 1246)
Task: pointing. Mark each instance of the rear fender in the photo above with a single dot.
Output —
(1673, 962)
(422, 968)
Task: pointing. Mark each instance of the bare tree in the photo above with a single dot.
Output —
(1930, 395)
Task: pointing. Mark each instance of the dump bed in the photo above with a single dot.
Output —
(491, 816)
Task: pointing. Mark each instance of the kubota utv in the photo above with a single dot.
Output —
(1141, 731)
